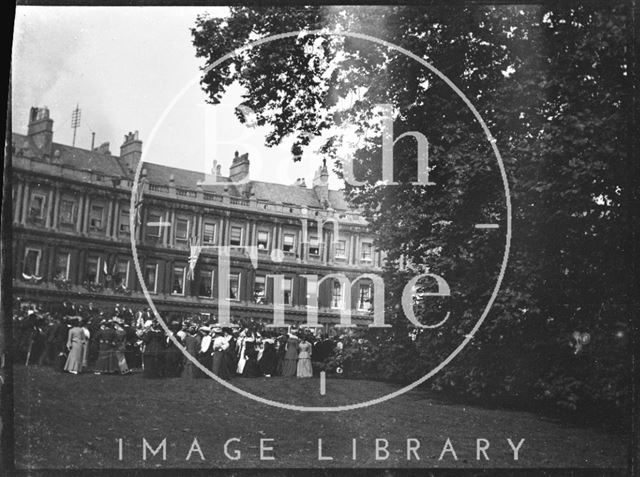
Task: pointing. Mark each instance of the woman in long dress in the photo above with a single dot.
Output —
(121, 345)
(241, 348)
(204, 353)
(192, 345)
(153, 339)
(305, 370)
(229, 358)
(251, 368)
(268, 359)
(290, 366)
(76, 341)
(281, 349)
(85, 348)
(219, 347)
(107, 361)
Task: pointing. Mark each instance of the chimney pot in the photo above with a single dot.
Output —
(40, 130)
(131, 150)
(103, 148)
(239, 169)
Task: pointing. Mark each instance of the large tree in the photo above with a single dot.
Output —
(552, 84)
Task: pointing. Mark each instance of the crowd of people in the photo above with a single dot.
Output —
(82, 338)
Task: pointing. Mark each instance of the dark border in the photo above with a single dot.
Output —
(6, 297)
(632, 233)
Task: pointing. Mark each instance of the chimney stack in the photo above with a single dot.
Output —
(131, 150)
(103, 148)
(239, 167)
(40, 130)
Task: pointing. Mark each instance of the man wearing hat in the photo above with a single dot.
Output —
(153, 355)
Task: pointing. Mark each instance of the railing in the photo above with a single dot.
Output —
(186, 193)
(158, 188)
(213, 197)
(242, 202)
(64, 171)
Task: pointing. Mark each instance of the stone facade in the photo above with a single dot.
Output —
(72, 234)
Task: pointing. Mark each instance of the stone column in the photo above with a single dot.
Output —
(302, 243)
(277, 240)
(47, 220)
(254, 231)
(227, 228)
(25, 204)
(79, 212)
(274, 233)
(169, 229)
(115, 231)
(352, 248)
(17, 206)
(87, 206)
(56, 208)
(109, 219)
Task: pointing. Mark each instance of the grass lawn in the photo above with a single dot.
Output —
(67, 421)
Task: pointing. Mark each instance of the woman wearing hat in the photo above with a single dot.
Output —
(219, 347)
(75, 344)
(290, 366)
(121, 344)
(268, 360)
(251, 368)
(107, 361)
(153, 339)
(192, 342)
(204, 353)
(305, 369)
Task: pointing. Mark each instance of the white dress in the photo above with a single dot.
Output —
(241, 358)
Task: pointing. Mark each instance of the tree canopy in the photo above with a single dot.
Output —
(553, 83)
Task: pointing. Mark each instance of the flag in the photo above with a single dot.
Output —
(196, 248)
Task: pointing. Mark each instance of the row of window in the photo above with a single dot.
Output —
(97, 272)
(263, 238)
(182, 229)
(96, 267)
(68, 213)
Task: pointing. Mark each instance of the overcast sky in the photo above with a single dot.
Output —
(124, 66)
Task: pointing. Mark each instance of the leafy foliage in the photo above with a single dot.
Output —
(552, 83)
